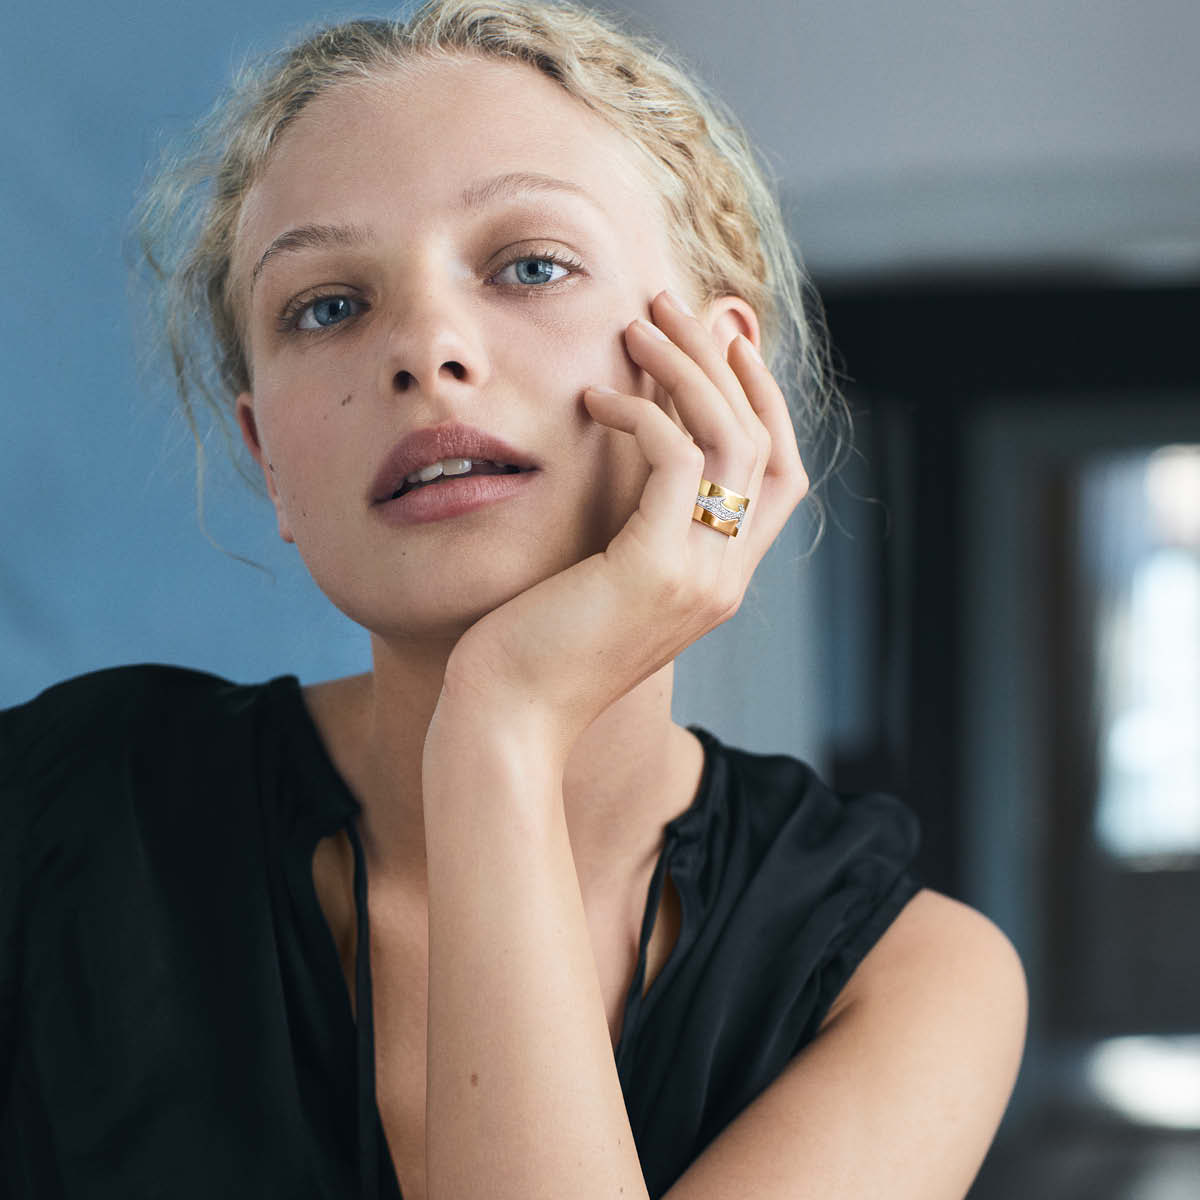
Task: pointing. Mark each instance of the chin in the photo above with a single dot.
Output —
(441, 608)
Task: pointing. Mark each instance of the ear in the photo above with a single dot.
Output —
(249, 428)
(727, 316)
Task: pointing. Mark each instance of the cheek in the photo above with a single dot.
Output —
(304, 443)
(580, 346)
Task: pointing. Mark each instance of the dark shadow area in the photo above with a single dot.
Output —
(988, 412)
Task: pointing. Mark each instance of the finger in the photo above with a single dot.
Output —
(729, 452)
(782, 481)
(765, 396)
(696, 340)
(664, 512)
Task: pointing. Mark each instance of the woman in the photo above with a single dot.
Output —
(510, 241)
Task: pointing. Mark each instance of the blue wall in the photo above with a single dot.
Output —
(102, 560)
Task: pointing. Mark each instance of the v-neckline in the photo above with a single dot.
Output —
(341, 812)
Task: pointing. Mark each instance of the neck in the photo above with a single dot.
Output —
(631, 771)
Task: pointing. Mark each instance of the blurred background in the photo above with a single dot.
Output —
(1000, 205)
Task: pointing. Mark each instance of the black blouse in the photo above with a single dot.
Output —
(174, 1021)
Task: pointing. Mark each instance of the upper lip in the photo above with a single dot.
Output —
(425, 446)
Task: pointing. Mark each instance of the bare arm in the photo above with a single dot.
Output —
(523, 1097)
(899, 1095)
(902, 1091)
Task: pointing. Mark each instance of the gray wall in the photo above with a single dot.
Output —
(909, 133)
(902, 133)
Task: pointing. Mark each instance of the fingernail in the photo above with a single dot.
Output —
(602, 391)
(653, 330)
(677, 302)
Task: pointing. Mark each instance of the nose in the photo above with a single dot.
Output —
(433, 349)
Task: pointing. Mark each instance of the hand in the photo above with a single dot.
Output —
(565, 649)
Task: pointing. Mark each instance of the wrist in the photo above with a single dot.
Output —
(474, 735)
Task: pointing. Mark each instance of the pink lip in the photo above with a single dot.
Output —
(425, 446)
(453, 498)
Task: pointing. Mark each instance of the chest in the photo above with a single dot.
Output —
(399, 974)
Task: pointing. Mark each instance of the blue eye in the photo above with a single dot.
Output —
(326, 311)
(543, 263)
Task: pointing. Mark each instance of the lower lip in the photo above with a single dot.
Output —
(453, 498)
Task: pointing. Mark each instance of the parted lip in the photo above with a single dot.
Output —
(424, 446)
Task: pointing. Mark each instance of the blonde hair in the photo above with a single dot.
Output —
(724, 221)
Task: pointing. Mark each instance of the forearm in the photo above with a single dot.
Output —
(523, 1100)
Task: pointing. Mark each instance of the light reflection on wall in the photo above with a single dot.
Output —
(1149, 1080)
(1140, 530)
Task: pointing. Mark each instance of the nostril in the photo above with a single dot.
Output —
(403, 380)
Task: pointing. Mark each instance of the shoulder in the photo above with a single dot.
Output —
(89, 708)
(88, 737)
(97, 768)
(64, 765)
(815, 877)
(108, 684)
(915, 1062)
(847, 856)
(782, 803)
(940, 1008)
(944, 977)
(939, 952)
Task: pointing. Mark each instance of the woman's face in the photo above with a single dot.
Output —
(434, 312)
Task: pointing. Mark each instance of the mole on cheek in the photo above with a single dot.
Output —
(349, 397)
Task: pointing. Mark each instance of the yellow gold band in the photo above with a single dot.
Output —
(719, 508)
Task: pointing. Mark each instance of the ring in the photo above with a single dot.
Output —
(719, 508)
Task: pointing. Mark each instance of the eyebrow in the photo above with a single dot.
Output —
(476, 195)
(311, 237)
(484, 191)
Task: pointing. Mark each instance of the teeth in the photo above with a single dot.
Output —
(448, 466)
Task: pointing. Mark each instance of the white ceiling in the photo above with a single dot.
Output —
(921, 134)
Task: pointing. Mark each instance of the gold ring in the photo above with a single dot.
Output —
(719, 508)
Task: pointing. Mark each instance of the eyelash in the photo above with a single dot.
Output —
(289, 318)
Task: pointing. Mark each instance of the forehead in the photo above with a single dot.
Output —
(409, 144)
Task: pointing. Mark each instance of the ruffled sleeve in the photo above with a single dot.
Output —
(785, 887)
(868, 850)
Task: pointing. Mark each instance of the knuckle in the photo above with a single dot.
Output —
(674, 585)
(746, 465)
(691, 454)
(738, 471)
(731, 601)
(800, 484)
